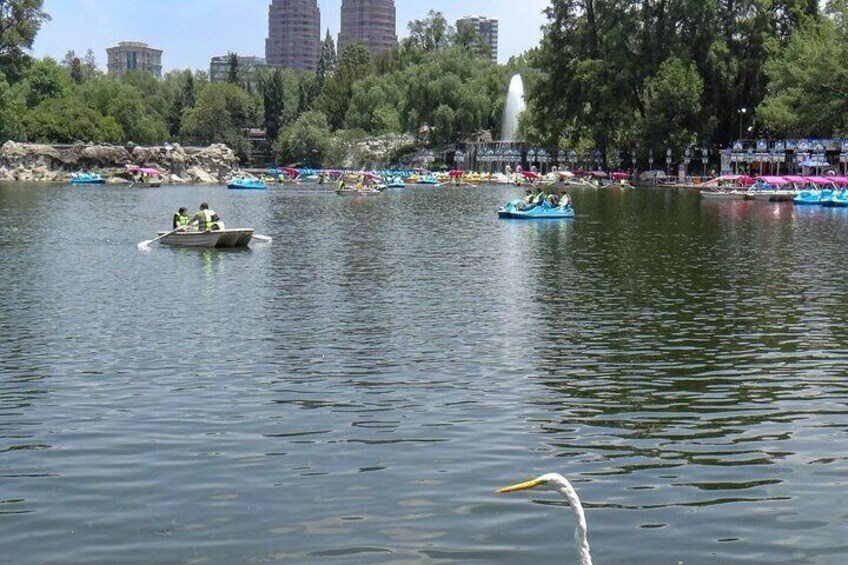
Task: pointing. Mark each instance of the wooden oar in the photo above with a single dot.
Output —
(263, 238)
(146, 244)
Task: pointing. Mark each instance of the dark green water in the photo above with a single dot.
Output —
(355, 391)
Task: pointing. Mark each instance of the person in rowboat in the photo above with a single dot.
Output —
(206, 219)
(181, 218)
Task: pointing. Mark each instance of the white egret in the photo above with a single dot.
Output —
(558, 483)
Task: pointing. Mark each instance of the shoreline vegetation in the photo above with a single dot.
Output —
(613, 86)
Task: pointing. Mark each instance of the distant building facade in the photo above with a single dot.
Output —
(248, 67)
(129, 56)
(488, 28)
(370, 22)
(294, 34)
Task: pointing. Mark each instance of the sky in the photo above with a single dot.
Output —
(192, 31)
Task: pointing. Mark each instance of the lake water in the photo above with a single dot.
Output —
(356, 390)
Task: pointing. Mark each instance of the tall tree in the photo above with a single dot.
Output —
(273, 92)
(20, 21)
(467, 37)
(354, 64)
(233, 68)
(808, 85)
(327, 61)
(430, 34)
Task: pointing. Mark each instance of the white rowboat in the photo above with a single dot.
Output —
(216, 238)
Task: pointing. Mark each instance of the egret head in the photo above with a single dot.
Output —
(548, 481)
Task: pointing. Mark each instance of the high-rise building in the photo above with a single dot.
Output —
(129, 56)
(370, 22)
(294, 34)
(488, 28)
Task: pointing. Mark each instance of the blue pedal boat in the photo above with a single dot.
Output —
(517, 210)
(246, 184)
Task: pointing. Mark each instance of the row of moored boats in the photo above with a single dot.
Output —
(829, 190)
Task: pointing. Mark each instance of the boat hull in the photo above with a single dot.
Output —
(246, 185)
(357, 192)
(772, 195)
(216, 238)
(711, 195)
(512, 212)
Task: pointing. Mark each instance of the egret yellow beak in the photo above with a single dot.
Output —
(521, 486)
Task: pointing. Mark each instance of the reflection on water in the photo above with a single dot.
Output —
(355, 391)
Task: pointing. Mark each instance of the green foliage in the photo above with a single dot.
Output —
(222, 114)
(124, 101)
(281, 96)
(66, 120)
(430, 34)
(20, 21)
(233, 68)
(451, 93)
(43, 80)
(354, 64)
(672, 101)
(607, 68)
(809, 81)
(306, 141)
(12, 110)
(327, 61)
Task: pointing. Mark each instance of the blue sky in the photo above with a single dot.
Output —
(193, 31)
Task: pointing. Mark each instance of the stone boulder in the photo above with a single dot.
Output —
(104, 156)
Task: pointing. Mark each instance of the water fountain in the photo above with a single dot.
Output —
(514, 106)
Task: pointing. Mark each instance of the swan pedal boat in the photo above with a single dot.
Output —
(543, 211)
(215, 238)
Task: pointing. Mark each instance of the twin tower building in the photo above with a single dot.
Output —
(294, 30)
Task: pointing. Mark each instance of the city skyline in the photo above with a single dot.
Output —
(191, 32)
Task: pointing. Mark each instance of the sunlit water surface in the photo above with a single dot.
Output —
(356, 390)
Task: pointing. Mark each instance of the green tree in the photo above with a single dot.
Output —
(467, 37)
(20, 21)
(44, 79)
(354, 64)
(67, 120)
(808, 83)
(273, 91)
(124, 103)
(430, 34)
(306, 141)
(327, 61)
(12, 110)
(222, 115)
(233, 68)
(672, 100)
(183, 99)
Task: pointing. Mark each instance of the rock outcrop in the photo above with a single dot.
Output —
(47, 163)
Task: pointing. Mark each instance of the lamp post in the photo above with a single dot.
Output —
(705, 155)
(651, 159)
(668, 160)
(742, 112)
